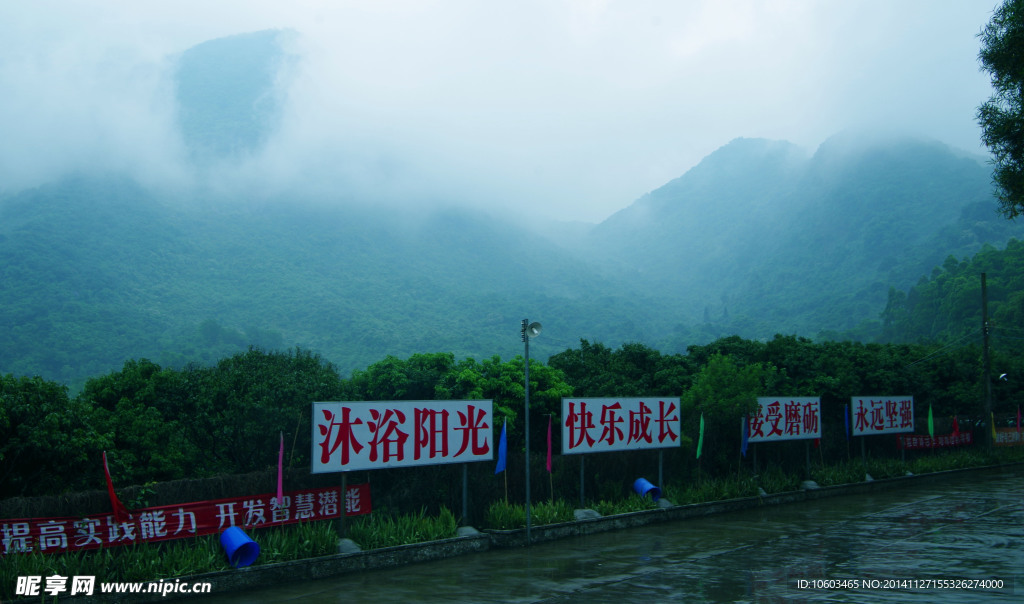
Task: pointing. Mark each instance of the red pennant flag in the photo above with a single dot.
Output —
(817, 443)
(956, 428)
(120, 512)
(549, 445)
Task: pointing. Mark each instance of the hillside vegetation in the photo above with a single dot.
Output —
(759, 238)
(98, 270)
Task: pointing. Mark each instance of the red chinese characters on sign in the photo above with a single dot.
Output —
(881, 415)
(611, 424)
(163, 523)
(387, 434)
(785, 419)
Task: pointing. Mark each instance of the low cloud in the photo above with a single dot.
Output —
(567, 109)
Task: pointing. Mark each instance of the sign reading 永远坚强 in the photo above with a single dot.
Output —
(779, 418)
(881, 415)
(390, 434)
(596, 425)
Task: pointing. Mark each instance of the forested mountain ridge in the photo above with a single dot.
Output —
(789, 243)
(947, 305)
(759, 238)
(97, 270)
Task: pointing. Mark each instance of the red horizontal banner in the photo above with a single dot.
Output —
(927, 442)
(179, 521)
(1007, 437)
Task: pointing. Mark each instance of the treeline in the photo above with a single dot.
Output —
(160, 424)
(947, 305)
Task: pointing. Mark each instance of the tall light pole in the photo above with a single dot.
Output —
(527, 331)
(987, 364)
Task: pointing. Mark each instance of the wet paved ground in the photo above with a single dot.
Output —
(843, 549)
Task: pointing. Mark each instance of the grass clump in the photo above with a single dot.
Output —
(504, 516)
(381, 529)
(846, 472)
(632, 503)
(551, 512)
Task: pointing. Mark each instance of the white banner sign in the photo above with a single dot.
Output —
(785, 419)
(596, 425)
(881, 414)
(391, 434)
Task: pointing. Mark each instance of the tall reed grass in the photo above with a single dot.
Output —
(379, 530)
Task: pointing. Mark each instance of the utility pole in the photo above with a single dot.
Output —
(987, 362)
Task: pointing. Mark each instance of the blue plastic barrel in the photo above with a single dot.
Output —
(643, 488)
(241, 550)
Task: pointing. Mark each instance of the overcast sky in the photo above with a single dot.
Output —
(569, 109)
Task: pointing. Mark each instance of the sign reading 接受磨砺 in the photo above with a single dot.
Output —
(596, 425)
(785, 419)
(391, 434)
(881, 415)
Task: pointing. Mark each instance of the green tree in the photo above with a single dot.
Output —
(723, 391)
(416, 379)
(237, 409)
(1002, 116)
(595, 370)
(139, 410)
(48, 444)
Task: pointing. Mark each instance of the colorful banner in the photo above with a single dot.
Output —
(779, 419)
(1008, 437)
(881, 414)
(927, 442)
(179, 521)
(597, 425)
(391, 434)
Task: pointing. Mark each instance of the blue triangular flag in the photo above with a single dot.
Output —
(502, 449)
(743, 430)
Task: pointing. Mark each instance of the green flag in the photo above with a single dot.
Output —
(931, 424)
(700, 439)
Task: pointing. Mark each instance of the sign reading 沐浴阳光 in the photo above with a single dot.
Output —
(881, 415)
(391, 434)
(595, 425)
(779, 418)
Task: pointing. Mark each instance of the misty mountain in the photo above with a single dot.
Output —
(761, 238)
(228, 94)
(758, 239)
(96, 271)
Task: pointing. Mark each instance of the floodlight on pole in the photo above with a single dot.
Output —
(527, 331)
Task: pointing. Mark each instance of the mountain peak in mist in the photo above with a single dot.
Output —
(229, 95)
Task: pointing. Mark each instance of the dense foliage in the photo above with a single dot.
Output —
(161, 424)
(1002, 116)
(946, 307)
